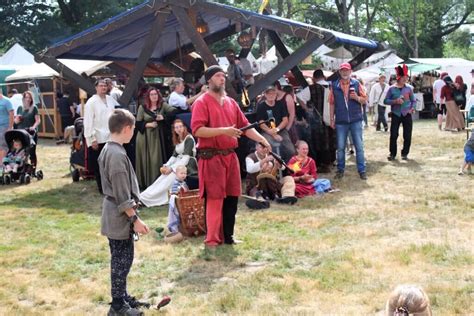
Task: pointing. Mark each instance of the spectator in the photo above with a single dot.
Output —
(247, 71)
(454, 118)
(235, 74)
(16, 99)
(66, 110)
(96, 129)
(376, 100)
(260, 162)
(346, 100)
(460, 92)
(6, 122)
(441, 107)
(408, 300)
(150, 141)
(177, 99)
(277, 135)
(468, 155)
(28, 118)
(286, 95)
(305, 173)
(401, 98)
(113, 90)
(184, 154)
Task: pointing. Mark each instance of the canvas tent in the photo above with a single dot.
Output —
(14, 59)
(161, 30)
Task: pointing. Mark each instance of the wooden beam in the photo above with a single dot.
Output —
(304, 32)
(195, 36)
(83, 82)
(147, 50)
(107, 27)
(355, 62)
(200, 44)
(275, 38)
(288, 63)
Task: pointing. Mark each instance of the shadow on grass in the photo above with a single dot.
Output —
(78, 197)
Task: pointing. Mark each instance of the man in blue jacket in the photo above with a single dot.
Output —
(346, 100)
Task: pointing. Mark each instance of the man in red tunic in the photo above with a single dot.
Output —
(216, 120)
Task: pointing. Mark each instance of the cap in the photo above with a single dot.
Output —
(269, 88)
(345, 66)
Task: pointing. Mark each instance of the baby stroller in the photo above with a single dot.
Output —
(78, 160)
(26, 170)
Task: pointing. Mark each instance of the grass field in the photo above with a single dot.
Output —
(340, 254)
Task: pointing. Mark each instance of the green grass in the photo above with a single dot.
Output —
(342, 253)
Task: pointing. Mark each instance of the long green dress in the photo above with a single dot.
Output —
(150, 145)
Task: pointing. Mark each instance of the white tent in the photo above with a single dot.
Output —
(38, 71)
(381, 59)
(267, 62)
(17, 57)
(453, 66)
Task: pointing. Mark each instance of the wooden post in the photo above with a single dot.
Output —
(147, 50)
(66, 72)
(288, 63)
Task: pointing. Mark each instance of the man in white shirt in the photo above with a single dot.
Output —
(177, 99)
(437, 86)
(247, 72)
(376, 98)
(259, 161)
(96, 125)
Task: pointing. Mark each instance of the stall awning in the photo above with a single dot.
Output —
(129, 30)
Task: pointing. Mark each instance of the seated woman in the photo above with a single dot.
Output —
(305, 176)
(184, 154)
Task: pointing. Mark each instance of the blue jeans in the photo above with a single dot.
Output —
(342, 130)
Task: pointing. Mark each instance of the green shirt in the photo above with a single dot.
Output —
(27, 117)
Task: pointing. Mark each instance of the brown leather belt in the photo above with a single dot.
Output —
(208, 153)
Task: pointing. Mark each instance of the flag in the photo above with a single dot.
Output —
(263, 6)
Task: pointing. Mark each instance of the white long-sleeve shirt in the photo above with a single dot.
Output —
(96, 119)
(178, 101)
(377, 95)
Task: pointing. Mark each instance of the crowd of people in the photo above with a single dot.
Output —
(299, 136)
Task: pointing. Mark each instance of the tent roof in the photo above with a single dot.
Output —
(122, 37)
(17, 56)
(37, 71)
(340, 53)
(442, 61)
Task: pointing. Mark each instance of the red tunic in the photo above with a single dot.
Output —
(306, 167)
(219, 176)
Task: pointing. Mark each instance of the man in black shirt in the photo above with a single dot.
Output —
(66, 110)
(276, 133)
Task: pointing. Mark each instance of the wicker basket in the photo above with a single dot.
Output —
(191, 212)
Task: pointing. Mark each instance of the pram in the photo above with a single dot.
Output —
(26, 170)
(78, 160)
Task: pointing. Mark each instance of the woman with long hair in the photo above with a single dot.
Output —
(454, 118)
(460, 92)
(150, 142)
(28, 118)
(184, 154)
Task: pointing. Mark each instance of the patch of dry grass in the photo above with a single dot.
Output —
(411, 222)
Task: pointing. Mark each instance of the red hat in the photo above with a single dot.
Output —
(345, 66)
(443, 74)
(401, 71)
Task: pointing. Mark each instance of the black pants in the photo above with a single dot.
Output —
(407, 123)
(33, 158)
(381, 117)
(229, 210)
(93, 164)
(121, 260)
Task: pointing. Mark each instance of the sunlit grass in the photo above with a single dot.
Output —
(342, 253)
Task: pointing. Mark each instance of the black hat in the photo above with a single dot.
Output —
(211, 71)
(318, 73)
(472, 71)
(448, 80)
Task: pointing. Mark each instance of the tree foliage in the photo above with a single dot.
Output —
(413, 27)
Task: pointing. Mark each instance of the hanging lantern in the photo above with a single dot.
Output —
(245, 40)
(201, 25)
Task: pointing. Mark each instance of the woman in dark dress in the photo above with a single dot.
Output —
(28, 118)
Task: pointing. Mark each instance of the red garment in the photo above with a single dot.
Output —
(215, 230)
(447, 92)
(307, 166)
(219, 176)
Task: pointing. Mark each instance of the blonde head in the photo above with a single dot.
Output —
(408, 300)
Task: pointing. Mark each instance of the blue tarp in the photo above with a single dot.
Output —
(125, 42)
